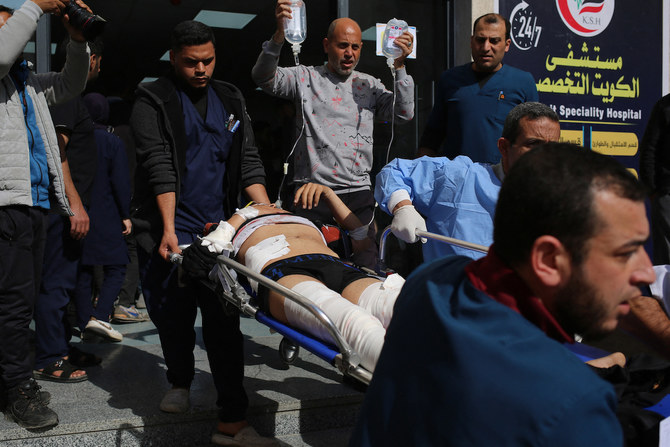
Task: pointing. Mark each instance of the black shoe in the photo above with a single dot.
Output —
(25, 404)
(44, 397)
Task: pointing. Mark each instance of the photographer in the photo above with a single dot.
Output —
(30, 186)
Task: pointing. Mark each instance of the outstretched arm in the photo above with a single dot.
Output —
(309, 195)
(266, 73)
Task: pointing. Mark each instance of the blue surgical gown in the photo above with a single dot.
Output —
(457, 197)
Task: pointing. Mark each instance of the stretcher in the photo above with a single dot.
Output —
(340, 355)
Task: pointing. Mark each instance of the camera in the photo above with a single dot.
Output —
(90, 25)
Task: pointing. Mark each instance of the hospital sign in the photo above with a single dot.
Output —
(599, 64)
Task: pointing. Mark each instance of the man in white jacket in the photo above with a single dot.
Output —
(31, 183)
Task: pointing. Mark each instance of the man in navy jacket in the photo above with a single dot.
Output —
(483, 340)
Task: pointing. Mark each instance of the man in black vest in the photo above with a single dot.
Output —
(196, 155)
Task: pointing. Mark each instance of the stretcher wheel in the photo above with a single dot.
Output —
(288, 351)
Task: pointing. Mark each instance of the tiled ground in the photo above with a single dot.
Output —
(305, 404)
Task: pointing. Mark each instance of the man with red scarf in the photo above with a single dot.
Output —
(474, 354)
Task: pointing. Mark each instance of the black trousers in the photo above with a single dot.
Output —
(128, 293)
(172, 306)
(22, 239)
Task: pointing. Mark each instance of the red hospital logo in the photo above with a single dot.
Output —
(586, 19)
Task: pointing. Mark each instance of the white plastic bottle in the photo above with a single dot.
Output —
(295, 29)
(394, 28)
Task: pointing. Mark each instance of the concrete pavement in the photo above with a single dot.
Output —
(305, 404)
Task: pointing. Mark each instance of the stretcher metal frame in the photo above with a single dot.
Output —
(341, 355)
(381, 264)
(346, 360)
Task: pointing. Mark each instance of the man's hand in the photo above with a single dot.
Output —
(169, 244)
(127, 227)
(309, 194)
(404, 42)
(51, 6)
(406, 220)
(79, 223)
(198, 261)
(75, 34)
(282, 11)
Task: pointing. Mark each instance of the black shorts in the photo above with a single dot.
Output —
(331, 271)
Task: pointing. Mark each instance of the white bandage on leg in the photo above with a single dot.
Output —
(379, 298)
(359, 328)
(263, 252)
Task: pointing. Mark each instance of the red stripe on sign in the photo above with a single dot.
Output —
(565, 12)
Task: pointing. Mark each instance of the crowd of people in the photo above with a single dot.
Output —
(90, 213)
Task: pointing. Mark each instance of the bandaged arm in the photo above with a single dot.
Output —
(221, 238)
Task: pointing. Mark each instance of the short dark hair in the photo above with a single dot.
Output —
(189, 33)
(551, 191)
(530, 110)
(6, 9)
(493, 18)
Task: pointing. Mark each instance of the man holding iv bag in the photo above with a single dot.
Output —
(336, 107)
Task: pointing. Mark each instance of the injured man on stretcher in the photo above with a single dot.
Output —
(292, 251)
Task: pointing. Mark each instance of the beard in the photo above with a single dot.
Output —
(344, 72)
(581, 309)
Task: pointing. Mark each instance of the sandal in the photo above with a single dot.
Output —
(83, 359)
(65, 377)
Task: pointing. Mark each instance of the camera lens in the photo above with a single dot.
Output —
(90, 25)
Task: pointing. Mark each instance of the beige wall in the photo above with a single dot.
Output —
(465, 13)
